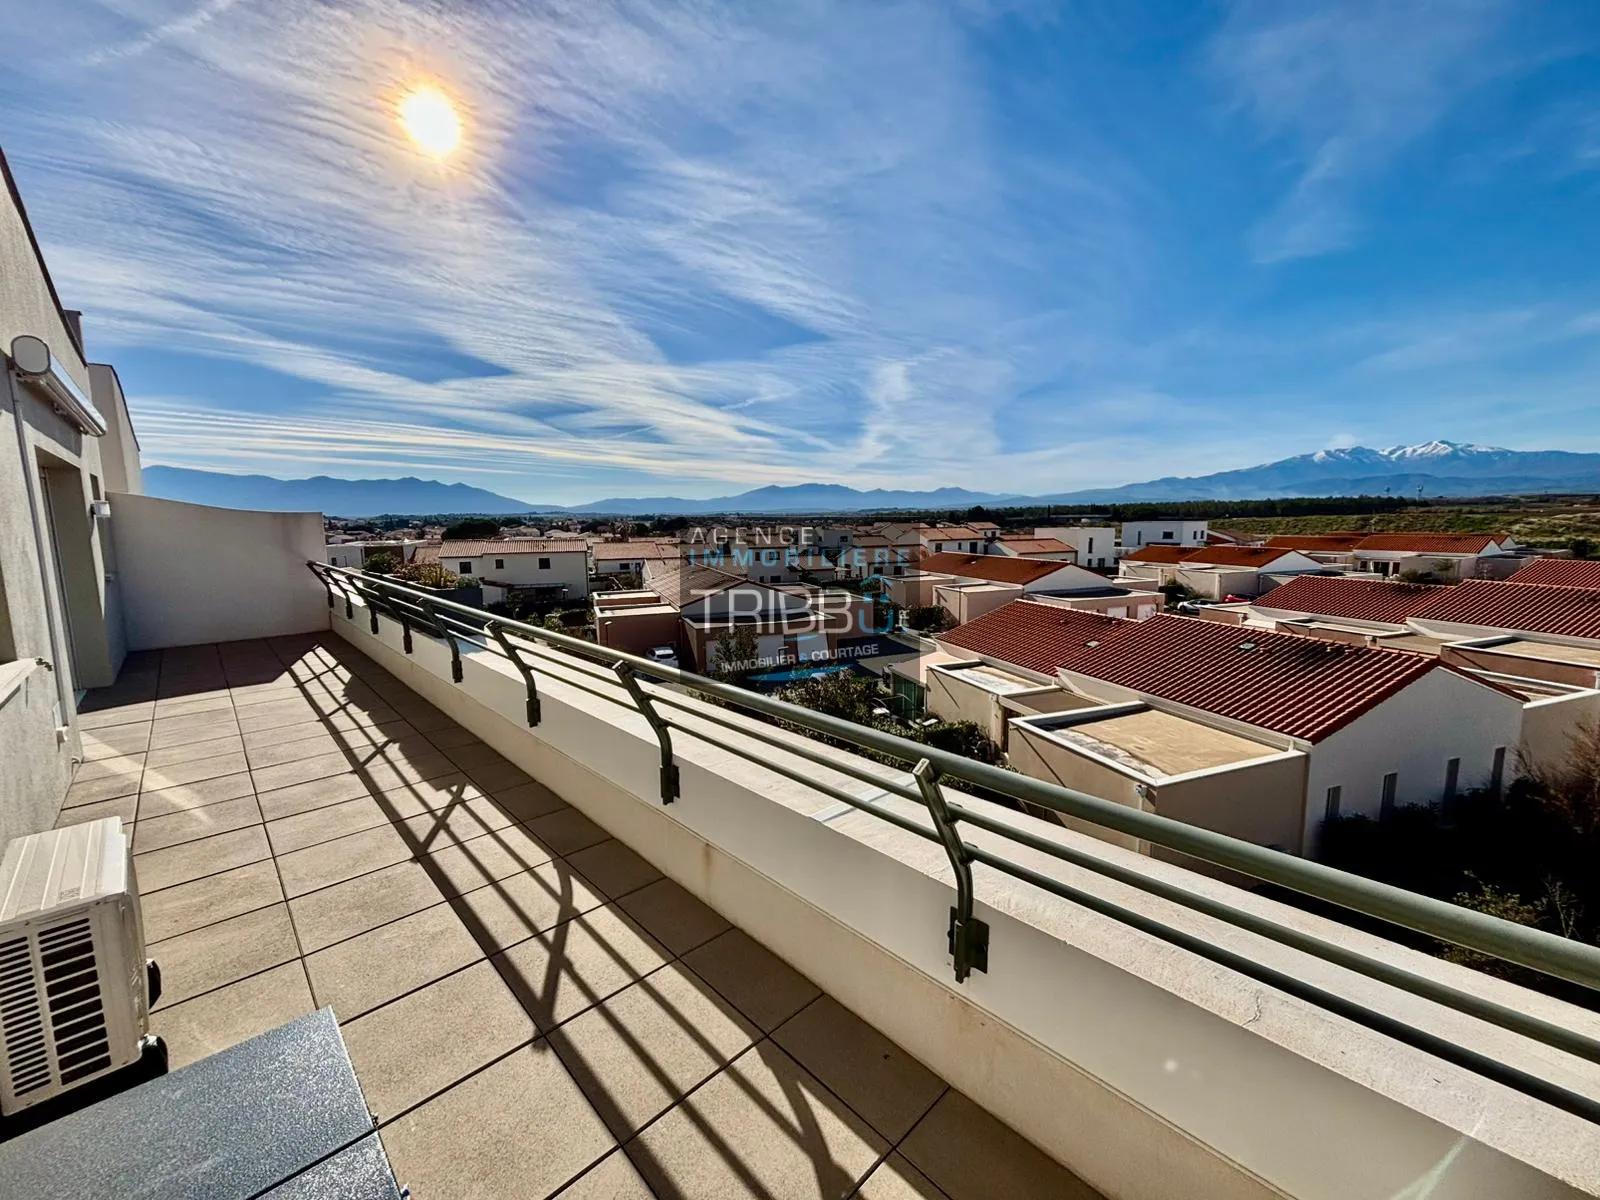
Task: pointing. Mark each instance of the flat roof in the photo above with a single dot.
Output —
(1589, 656)
(994, 679)
(1155, 743)
(1417, 643)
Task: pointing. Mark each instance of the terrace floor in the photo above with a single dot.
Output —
(532, 1009)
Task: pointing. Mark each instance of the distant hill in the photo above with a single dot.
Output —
(335, 497)
(1430, 468)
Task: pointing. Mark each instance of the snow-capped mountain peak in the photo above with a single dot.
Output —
(1435, 449)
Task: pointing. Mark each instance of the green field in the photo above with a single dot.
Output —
(1556, 525)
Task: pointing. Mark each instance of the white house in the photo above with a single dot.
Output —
(557, 567)
(1096, 545)
(1171, 531)
(1445, 555)
(1033, 547)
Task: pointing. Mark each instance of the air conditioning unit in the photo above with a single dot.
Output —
(75, 988)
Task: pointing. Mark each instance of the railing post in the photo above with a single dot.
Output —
(968, 937)
(669, 769)
(426, 603)
(324, 579)
(498, 632)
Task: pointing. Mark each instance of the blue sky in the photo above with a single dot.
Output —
(692, 249)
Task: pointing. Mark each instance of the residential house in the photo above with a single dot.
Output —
(952, 539)
(874, 554)
(1215, 572)
(629, 557)
(1330, 549)
(553, 568)
(1171, 531)
(1564, 572)
(1350, 608)
(355, 555)
(1095, 545)
(1267, 735)
(969, 585)
(1446, 556)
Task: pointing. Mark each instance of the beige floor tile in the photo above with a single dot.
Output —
(217, 1020)
(195, 795)
(120, 806)
(519, 1128)
(200, 727)
(885, 1085)
(475, 754)
(613, 869)
(252, 694)
(389, 775)
(277, 714)
(971, 1155)
(156, 833)
(315, 793)
(216, 955)
(759, 983)
(645, 1048)
(448, 737)
(302, 770)
(289, 834)
(413, 798)
(389, 961)
(567, 832)
(343, 858)
(529, 801)
(96, 791)
(494, 856)
(184, 752)
(192, 860)
(178, 774)
(358, 905)
(498, 777)
(188, 906)
(256, 739)
(115, 740)
(425, 719)
(274, 752)
(511, 910)
(561, 972)
(117, 766)
(896, 1179)
(122, 714)
(416, 1047)
(612, 1178)
(762, 1128)
(188, 706)
(672, 916)
(459, 823)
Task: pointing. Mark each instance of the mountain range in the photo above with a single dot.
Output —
(1434, 469)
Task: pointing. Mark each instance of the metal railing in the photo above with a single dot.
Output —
(528, 647)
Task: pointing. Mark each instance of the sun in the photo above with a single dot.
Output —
(430, 121)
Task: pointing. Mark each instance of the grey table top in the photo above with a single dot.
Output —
(280, 1115)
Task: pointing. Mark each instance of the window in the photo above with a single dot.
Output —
(972, 547)
(94, 488)
(1330, 803)
(1391, 783)
(333, 560)
(466, 568)
(1091, 543)
(1167, 535)
(499, 564)
(1497, 773)
(1452, 776)
(544, 564)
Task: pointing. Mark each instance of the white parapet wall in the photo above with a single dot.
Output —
(1148, 1070)
(35, 753)
(191, 574)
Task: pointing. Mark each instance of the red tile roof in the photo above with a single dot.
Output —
(1357, 599)
(1324, 543)
(1431, 543)
(1038, 637)
(1161, 553)
(1237, 556)
(1566, 572)
(997, 568)
(1034, 545)
(1299, 686)
(629, 551)
(1518, 607)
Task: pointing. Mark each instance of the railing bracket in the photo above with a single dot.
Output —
(967, 937)
(426, 603)
(669, 769)
(497, 631)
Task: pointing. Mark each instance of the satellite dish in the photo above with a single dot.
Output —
(30, 354)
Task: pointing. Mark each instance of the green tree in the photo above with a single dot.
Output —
(1178, 593)
(430, 575)
(929, 618)
(735, 655)
(1581, 547)
(384, 562)
(841, 694)
(471, 529)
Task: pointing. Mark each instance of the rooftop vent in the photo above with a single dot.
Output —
(1247, 645)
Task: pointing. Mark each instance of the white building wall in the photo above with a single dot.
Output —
(567, 569)
(1096, 545)
(1182, 533)
(1414, 734)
